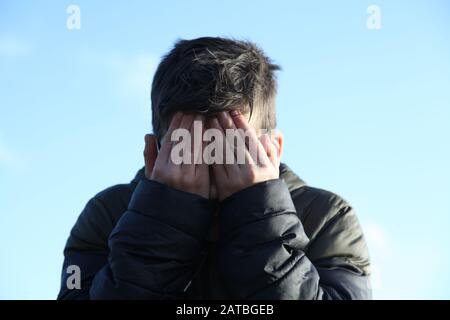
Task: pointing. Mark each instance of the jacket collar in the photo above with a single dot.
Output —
(291, 179)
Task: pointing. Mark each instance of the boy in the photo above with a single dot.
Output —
(203, 229)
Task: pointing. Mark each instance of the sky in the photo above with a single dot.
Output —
(365, 113)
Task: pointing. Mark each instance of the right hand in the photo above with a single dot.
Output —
(192, 178)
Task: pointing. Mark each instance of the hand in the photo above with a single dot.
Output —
(192, 178)
(261, 161)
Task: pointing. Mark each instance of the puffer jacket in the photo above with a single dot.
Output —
(279, 239)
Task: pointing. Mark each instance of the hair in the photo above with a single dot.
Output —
(211, 74)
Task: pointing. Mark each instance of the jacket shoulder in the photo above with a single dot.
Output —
(332, 227)
(98, 218)
(322, 203)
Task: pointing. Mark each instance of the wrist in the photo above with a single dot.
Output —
(254, 203)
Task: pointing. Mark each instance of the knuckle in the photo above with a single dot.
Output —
(157, 172)
(185, 180)
(250, 175)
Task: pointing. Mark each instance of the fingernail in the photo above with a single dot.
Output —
(234, 113)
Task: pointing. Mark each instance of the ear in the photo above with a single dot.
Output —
(277, 139)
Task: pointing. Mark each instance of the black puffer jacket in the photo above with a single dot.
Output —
(279, 239)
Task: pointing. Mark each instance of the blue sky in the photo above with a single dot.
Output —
(365, 113)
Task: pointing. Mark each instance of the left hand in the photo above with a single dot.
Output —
(262, 159)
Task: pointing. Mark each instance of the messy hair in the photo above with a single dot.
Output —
(211, 74)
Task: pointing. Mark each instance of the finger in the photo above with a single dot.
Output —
(229, 151)
(262, 157)
(166, 146)
(197, 143)
(186, 123)
(239, 120)
(225, 120)
(218, 169)
(150, 153)
(174, 124)
(269, 148)
(239, 147)
(213, 123)
(257, 151)
(276, 148)
(200, 158)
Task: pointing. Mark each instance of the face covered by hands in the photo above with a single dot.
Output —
(247, 159)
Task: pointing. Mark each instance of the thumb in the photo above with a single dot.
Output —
(150, 154)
